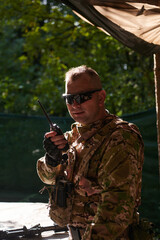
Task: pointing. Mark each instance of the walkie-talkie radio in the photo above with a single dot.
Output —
(62, 187)
(53, 126)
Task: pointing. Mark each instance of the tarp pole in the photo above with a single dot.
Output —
(157, 97)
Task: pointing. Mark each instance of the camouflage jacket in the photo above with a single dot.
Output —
(105, 163)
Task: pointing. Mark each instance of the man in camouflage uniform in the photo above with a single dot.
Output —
(105, 159)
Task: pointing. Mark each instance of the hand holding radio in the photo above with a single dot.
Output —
(53, 145)
(54, 142)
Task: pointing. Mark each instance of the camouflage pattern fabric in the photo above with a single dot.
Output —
(105, 162)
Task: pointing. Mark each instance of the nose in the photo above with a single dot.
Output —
(75, 104)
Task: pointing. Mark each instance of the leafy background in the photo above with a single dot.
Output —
(41, 40)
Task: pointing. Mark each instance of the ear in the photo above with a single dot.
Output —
(102, 97)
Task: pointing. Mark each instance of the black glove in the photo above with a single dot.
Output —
(53, 154)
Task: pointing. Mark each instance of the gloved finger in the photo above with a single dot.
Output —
(62, 146)
(50, 134)
(48, 144)
(59, 140)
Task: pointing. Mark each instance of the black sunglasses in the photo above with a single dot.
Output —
(79, 98)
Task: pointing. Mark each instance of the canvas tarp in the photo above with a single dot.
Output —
(136, 24)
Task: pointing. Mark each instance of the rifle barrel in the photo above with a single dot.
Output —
(55, 228)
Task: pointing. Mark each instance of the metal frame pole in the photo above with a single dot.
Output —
(157, 98)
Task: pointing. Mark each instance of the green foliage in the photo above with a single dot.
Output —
(41, 40)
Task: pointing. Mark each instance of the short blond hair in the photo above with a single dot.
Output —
(74, 73)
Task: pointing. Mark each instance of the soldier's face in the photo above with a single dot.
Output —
(88, 111)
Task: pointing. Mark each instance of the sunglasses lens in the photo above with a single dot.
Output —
(79, 98)
(69, 99)
(85, 97)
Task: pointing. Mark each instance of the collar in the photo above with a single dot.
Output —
(87, 131)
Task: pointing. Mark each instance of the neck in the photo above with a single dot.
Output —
(101, 117)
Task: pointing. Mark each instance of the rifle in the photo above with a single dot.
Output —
(29, 233)
(53, 126)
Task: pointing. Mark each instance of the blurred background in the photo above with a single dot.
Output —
(40, 41)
